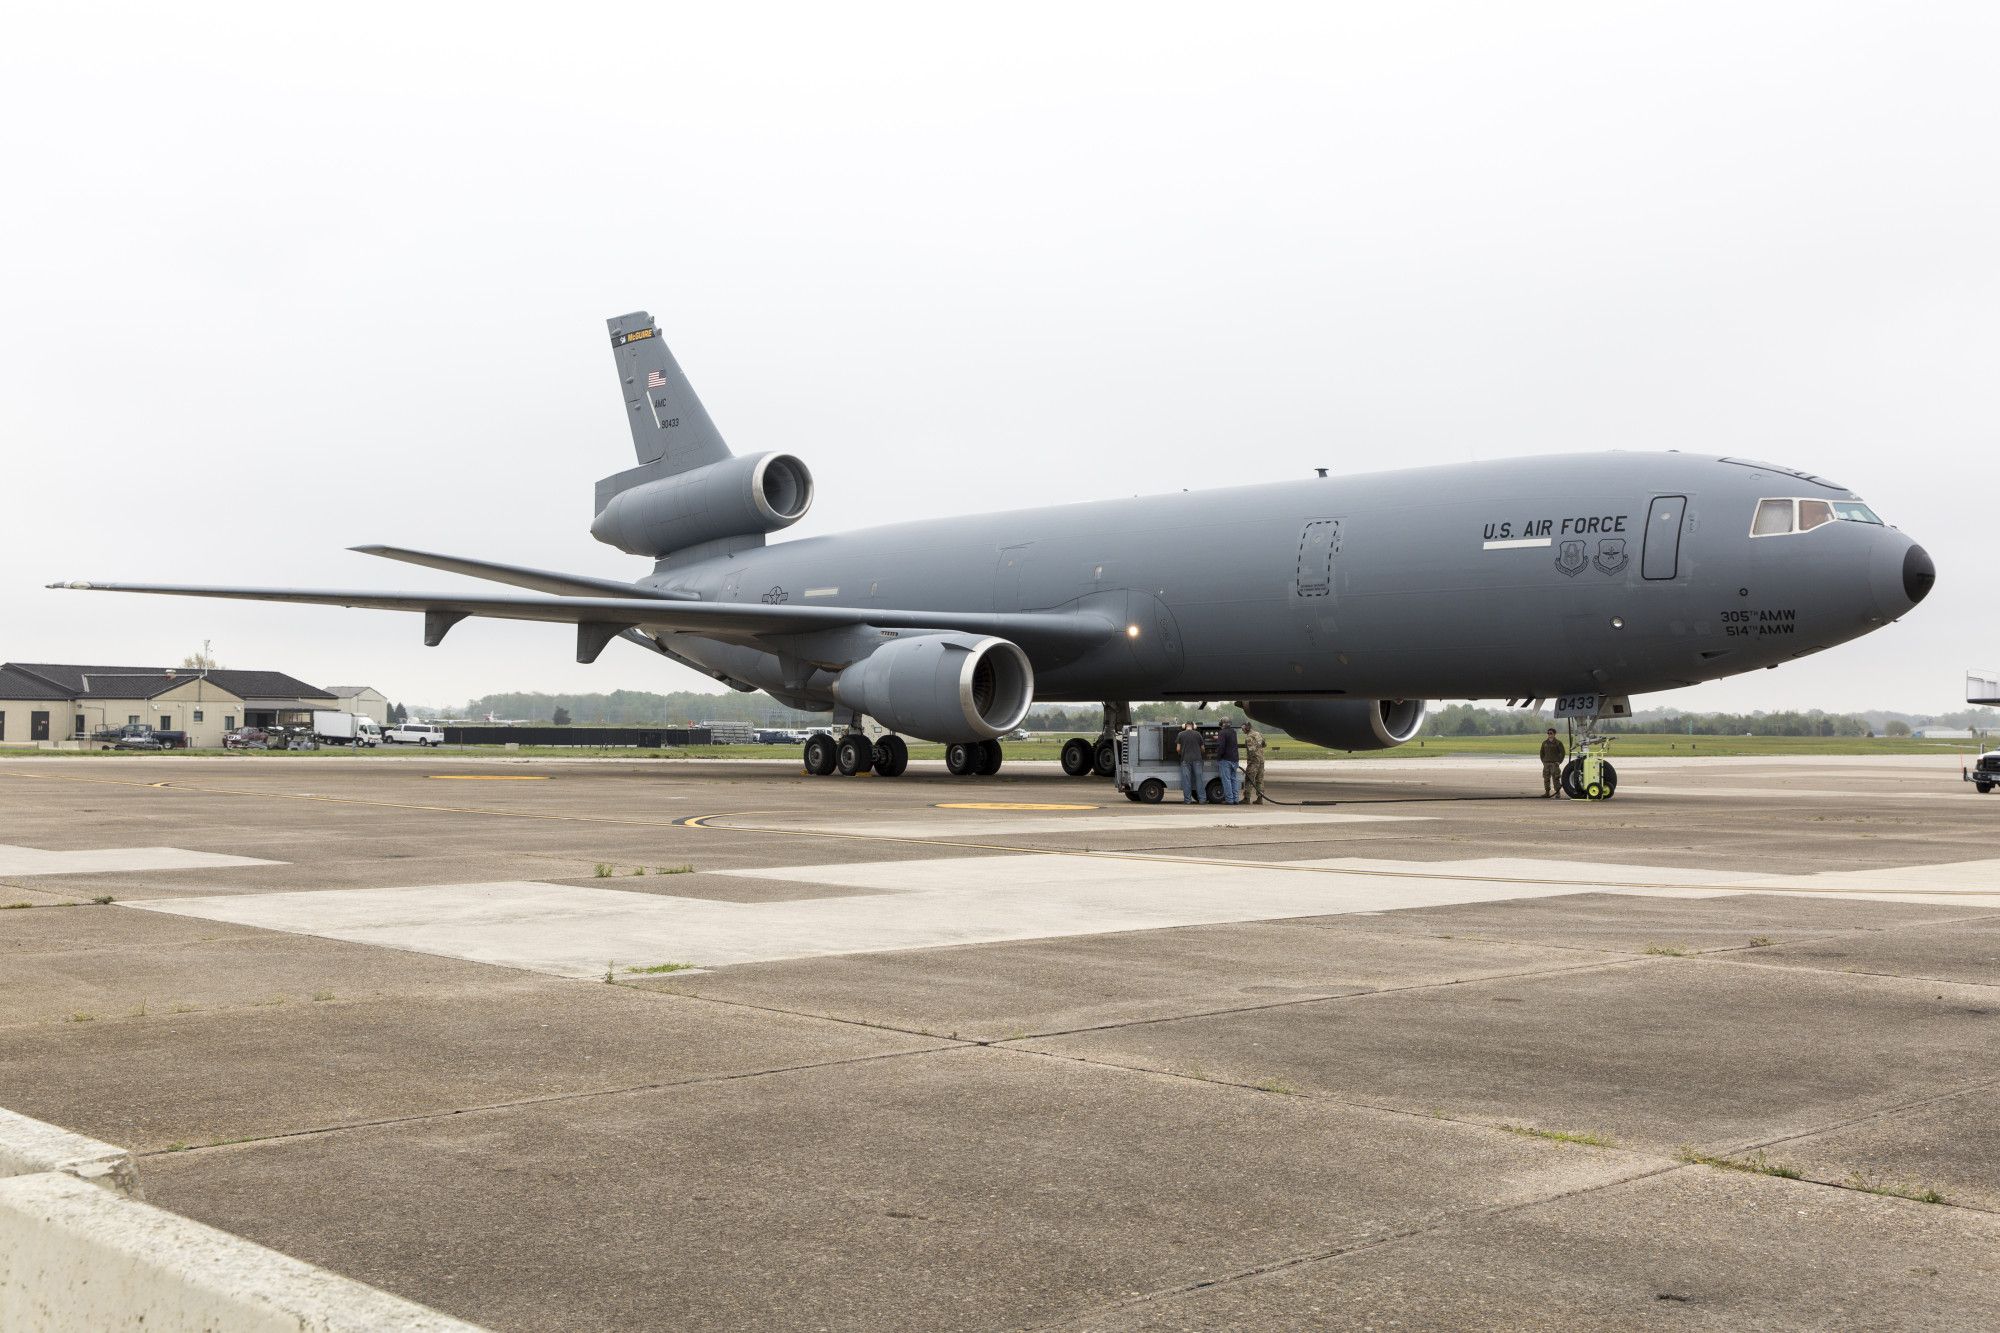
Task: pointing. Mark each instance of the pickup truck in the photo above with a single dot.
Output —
(1984, 774)
(413, 733)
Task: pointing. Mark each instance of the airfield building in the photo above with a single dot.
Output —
(59, 705)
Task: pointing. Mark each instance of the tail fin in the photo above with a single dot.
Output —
(670, 427)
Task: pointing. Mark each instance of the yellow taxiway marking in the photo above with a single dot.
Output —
(1010, 805)
(487, 777)
(702, 822)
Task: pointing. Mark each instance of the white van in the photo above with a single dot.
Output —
(414, 733)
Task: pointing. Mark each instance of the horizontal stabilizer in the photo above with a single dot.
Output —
(520, 576)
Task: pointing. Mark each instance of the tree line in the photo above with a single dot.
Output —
(645, 708)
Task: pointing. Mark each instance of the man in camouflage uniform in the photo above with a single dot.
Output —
(1553, 755)
(1253, 761)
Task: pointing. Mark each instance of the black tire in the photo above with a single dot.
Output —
(962, 760)
(1152, 791)
(1134, 797)
(1106, 758)
(1213, 791)
(989, 758)
(1079, 757)
(1982, 787)
(820, 755)
(892, 757)
(855, 755)
(1572, 779)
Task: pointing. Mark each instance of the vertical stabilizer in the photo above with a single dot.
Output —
(669, 425)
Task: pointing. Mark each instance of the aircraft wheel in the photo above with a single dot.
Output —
(892, 757)
(962, 760)
(1213, 791)
(1572, 779)
(1107, 757)
(1079, 757)
(989, 758)
(821, 755)
(1152, 791)
(856, 756)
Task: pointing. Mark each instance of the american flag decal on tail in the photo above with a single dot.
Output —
(656, 379)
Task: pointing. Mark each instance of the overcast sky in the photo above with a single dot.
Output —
(280, 280)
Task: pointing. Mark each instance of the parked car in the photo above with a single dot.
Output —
(413, 733)
(246, 738)
(133, 736)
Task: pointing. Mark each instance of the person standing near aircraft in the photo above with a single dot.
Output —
(1553, 755)
(1253, 760)
(1188, 746)
(1225, 763)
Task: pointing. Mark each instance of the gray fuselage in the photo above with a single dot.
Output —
(1616, 573)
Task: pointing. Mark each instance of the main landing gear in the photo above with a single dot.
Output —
(855, 753)
(1086, 758)
(972, 759)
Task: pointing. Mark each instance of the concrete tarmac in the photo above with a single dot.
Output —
(569, 1045)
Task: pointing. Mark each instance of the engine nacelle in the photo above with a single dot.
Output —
(1343, 724)
(737, 497)
(942, 687)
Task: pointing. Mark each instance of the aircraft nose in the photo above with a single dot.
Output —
(1918, 574)
(1901, 574)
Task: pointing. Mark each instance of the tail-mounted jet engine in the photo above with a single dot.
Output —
(737, 497)
(1343, 724)
(942, 687)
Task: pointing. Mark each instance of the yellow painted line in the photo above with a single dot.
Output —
(1010, 805)
(702, 822)
(486, 777)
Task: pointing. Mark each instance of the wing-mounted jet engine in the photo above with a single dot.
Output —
(1344, 724)
(688, 491)
(943, 687)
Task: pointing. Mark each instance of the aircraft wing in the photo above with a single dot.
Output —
(600, 619)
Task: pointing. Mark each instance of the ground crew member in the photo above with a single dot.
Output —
(1188, 746)
(1553, 755)
(1253, 760)
(1225, 763)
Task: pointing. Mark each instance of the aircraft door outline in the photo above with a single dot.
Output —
(1319, 543)
(1666, 520)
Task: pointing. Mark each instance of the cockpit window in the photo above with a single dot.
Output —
(1774, 517)
(1778, 517)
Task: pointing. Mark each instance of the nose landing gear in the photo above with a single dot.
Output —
(1589, 776)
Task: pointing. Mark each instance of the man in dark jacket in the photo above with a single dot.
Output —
(1553, 755)
(1188, 746)
(1225, 763)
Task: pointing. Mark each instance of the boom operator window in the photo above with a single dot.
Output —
(1782, 517)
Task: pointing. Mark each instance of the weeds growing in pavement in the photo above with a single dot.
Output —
(1562, 1136)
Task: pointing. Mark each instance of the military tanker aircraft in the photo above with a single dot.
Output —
(1328, 607)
